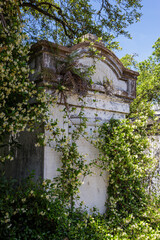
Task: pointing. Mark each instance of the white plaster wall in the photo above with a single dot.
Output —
(51, 163)
(99, 102)
(98, 106)
(104, 71)
(93, 191)
(51, 157)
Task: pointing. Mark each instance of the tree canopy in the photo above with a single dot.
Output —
(64, 21)
(129, 61)
(22, 103)
(148, 87)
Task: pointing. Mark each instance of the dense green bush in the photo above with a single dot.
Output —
(25, 211)
(31, 211)
(124, 152)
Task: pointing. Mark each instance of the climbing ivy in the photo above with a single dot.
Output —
(70, 78)
(23, 105)
(74, 166)
(124, 153)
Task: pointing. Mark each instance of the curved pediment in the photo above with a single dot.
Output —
(122, 79)
(110, 59)
(112, 69)
(104, 73)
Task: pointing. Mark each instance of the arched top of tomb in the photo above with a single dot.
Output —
(110, 68)
(111, 59)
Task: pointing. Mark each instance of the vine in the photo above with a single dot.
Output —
(73, 164)
(70, 77)
(123, 147)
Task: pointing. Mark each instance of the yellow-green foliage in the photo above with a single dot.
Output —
(22, 104)
(32, 211)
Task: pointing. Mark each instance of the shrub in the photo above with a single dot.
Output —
(31, 211)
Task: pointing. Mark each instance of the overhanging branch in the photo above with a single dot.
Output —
(52, 16)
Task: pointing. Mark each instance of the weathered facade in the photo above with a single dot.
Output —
(100, 105)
